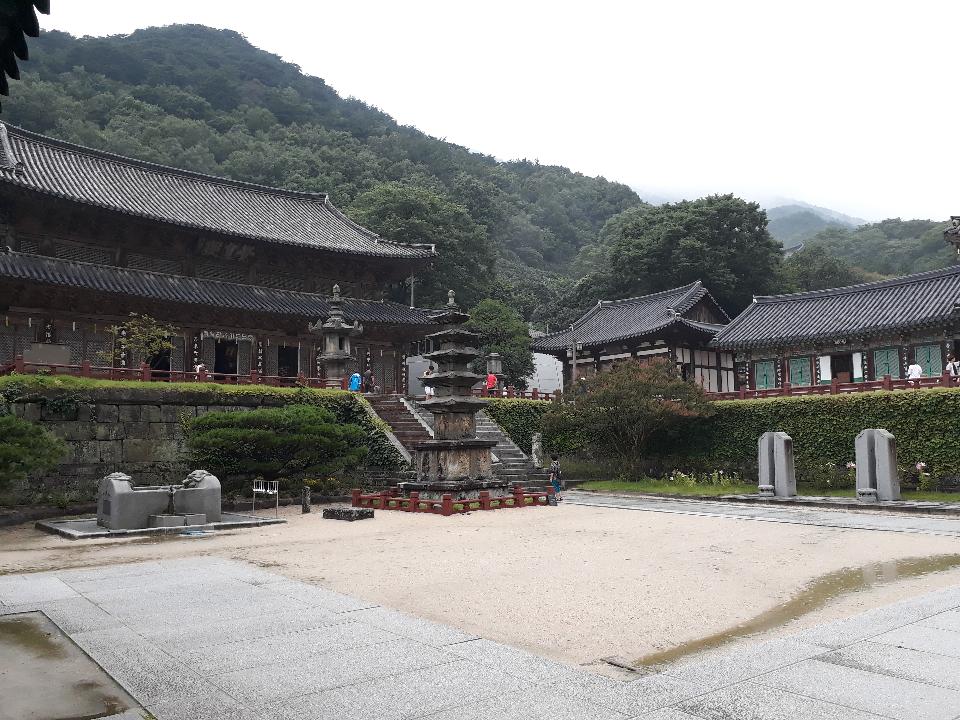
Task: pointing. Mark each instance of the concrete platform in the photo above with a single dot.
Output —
(87, 528)
(223, 640)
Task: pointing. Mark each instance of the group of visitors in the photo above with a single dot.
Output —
(366, 383)
(952, 368)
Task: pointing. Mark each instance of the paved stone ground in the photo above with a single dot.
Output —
(215, 639)
(864, 520)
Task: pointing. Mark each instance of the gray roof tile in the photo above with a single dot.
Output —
(187, 199)
(615, 320)
(927, 299)
(195, 291)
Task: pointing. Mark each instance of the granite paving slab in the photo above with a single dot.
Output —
(424, 631)
(268, 683)
(866, 691)
(17, 589)
(313, 596)
(749, 700)
(924, 638)
(946, 620)
(633, 698)
(291, 647)
(942, 670)
(512, 661)
(538, 703)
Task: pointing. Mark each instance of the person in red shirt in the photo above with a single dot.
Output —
(491, 383)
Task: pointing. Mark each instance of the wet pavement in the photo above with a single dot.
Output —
(215, 639)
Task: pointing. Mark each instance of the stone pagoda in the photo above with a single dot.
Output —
(336, 332)
(455, 461)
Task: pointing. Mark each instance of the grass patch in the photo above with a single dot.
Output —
(660, 488)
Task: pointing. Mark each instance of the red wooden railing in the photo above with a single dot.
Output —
(392, 500)
(144, 373)
(838, 388)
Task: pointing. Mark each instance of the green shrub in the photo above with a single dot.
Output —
(823, 428)
(292, 443)
(26, 448)
(519, 419)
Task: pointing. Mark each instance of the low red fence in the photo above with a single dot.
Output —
(838, 388)
(393, 500)
(145, 374)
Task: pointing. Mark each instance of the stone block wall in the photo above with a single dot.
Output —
(138, 432)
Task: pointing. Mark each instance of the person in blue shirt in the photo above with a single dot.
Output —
(355, 380)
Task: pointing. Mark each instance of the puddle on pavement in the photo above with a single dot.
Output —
(812, 597)
(44, 676)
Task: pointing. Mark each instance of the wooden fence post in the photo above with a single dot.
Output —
(18, 364)
(446, 505)
(85, 369)
(887, 382)
(144, 372)
(834, 386)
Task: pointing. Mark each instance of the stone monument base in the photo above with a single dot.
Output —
(457, 489)
(493, 498)
(178, 520)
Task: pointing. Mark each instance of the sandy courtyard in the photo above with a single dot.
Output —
(574, 583)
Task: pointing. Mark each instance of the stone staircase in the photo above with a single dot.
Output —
(511, 463)
(405, 425)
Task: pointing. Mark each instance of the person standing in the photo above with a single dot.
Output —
(555, 475)
(491, 383)
(914, 371)
(368, 381)
(953, 367)
(428, 389)
(355, 381)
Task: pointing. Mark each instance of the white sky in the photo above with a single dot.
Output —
(848, 104)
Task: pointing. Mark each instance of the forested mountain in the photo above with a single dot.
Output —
(207, 100)
(890, 247)
(795, 223)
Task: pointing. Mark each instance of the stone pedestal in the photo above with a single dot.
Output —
(775, 459)
(876, 457)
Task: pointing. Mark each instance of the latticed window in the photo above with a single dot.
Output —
(800, 371)
(765, 374)
(886, 362)
(930, 358)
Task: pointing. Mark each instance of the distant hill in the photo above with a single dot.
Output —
(795, 223)
(891, 247)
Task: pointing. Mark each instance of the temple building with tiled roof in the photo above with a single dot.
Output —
(848, 334)
(87, 237)
(676, 324)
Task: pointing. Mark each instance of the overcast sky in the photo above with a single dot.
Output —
(847, 104)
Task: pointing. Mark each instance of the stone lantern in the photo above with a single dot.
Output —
(336, 334)
(495, 364)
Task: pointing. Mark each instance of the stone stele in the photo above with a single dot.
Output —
(876, 455)
(775, 460)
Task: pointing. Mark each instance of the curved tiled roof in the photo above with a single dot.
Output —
(614, 320)
(195, 291)
(927, 299)
(185, 198)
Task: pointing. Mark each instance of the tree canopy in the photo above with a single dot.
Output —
(503, 331)
(817, 268)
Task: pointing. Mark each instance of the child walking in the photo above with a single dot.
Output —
(555, 475)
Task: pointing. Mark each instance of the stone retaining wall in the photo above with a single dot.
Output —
(126, 431)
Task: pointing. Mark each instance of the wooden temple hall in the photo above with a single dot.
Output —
(676, 325)
(88, 237)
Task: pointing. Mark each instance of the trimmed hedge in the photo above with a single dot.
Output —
(925, 422)
(823, 428)
(347, 407)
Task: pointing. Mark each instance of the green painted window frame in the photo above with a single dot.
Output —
(769, 375)
(882, 364)
(930, 358)
(801, 371)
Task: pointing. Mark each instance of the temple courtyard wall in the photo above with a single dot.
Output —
(135, 430)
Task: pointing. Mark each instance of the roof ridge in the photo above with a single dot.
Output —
(686, 288)
(367, 231)
(158, 167)
(859, 287)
